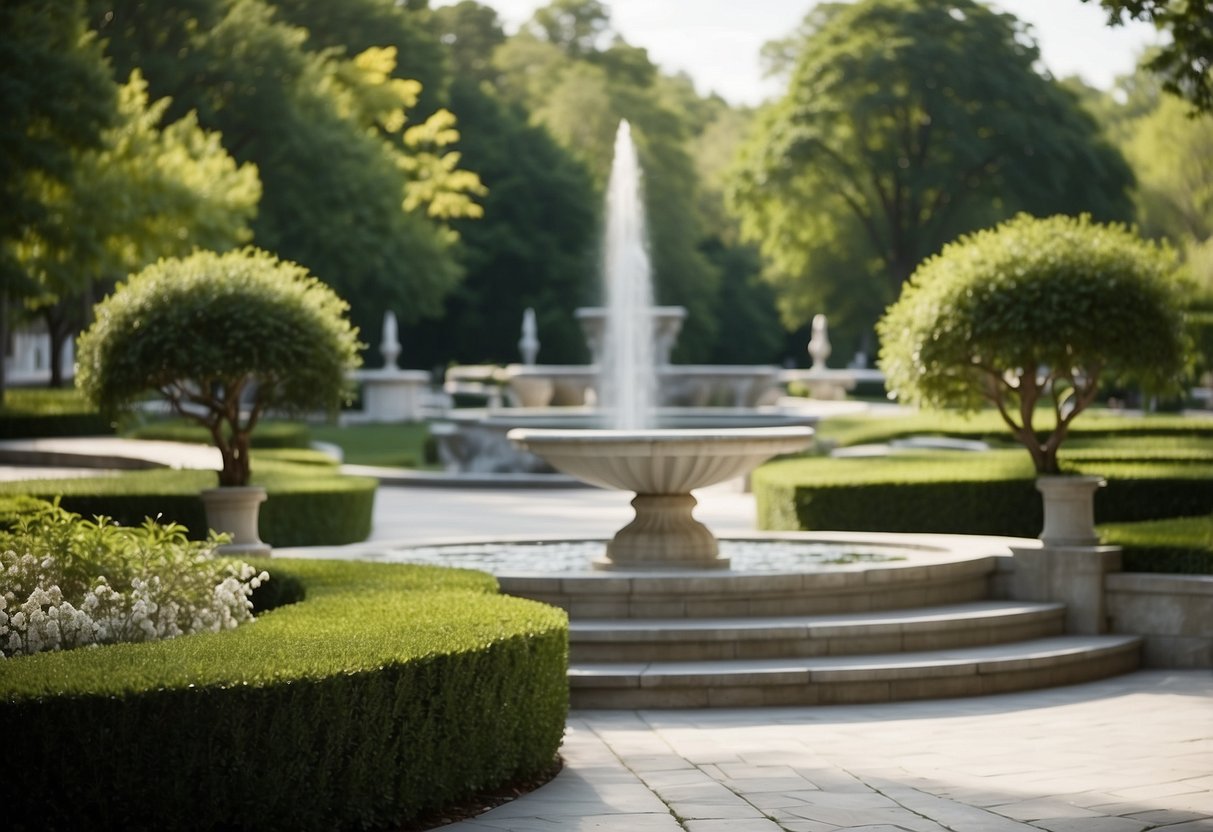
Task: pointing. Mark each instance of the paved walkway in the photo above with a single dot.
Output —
(1122, 755)
(1129, 754)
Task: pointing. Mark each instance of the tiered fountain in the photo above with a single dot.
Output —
(797, 618)
(661, 465)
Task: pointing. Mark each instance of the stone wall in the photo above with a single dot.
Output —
(1173, 613)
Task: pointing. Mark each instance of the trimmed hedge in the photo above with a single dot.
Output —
(390, 691)
(267, 435)
(307, 505)
(962, 493)
(28, 413)
(988, 426)
(1181, 545)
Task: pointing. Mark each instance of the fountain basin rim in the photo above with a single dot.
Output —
(664, 441)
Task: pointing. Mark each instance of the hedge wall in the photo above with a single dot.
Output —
(959, 493)
(1182, 545)
(307, 505)
(29, 412)
(388, 692)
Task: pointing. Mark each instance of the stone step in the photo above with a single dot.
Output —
(704, 639)
(925, 578)
(823, 680)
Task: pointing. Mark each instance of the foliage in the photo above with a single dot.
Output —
(310, 504)
(57, 98)
(1180, 545)
(1035, 311)
(402, 445)
(388, 691)
(561, 69)
(208, 331)
(905, 124)
(147, 192)
(34, 412)
(1185, 64)
(270, 434)
(67, 582)
(326, 130)
(962, 492)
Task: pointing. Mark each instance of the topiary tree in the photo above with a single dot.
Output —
(223, 338)
(1036, 311)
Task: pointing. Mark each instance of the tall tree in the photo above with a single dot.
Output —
(578, 80)
(57, 96)
(147, 192)
(906, 123)
(1185, 64)
(327, 133)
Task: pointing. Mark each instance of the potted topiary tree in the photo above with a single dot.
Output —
(223, 338)
(1038, 313)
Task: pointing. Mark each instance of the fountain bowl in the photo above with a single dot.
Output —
(661, 466)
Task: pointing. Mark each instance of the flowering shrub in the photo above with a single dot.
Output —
(67, 582)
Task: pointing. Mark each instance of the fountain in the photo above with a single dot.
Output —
(659, 619)
(390, 394)
(661, 465)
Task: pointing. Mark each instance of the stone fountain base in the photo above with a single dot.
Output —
(663, 535)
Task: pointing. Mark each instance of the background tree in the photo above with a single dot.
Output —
(147, 192)
(1185, 64)
(577, 79)
(327, 133)
(905, 124)
(57, 97)
(1036, 313)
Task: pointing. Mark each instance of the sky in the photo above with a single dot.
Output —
(717, 42)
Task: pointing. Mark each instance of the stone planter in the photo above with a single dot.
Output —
(234, 510)
(1069, 509)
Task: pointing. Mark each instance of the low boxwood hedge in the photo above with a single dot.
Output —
(963, 493)
(269, 434)
(308, 504)
(389, 691)
(29, 412)
(1181, 545)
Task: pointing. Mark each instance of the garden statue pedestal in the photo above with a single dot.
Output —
(1069, 508)
(234, 510)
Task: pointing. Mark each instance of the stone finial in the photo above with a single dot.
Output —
(819, 343)
(528, 345)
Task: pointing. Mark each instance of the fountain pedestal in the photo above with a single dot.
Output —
(662, 467)
(663, 535)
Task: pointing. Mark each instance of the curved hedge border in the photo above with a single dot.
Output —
(36, 412)
(388, 692)
(308, 505)
(963, 493)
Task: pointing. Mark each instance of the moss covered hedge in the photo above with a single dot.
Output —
(386, 692)
(308, 504)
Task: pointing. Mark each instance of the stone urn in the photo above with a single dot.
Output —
(1069, 508)
(235, 510)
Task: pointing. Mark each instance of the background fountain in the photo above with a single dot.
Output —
(661, 465)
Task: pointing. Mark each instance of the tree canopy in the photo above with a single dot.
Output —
(351, 190)
(1034, 312)
(207, 331)
(1185, 64)
(905, 124)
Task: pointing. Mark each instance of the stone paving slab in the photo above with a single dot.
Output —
(1128, 754)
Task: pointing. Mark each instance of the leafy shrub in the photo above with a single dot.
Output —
(961, 493)
(1179, 545)
(16, 506)
(309, 505)
(1036, 311)
(223, 338)
(28, 413)
(68, 582)
(389, 691)
(267, 435)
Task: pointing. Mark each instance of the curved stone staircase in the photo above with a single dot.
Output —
(925, 628)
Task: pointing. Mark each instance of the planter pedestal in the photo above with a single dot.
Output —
(234, 510)
(1069, 504)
